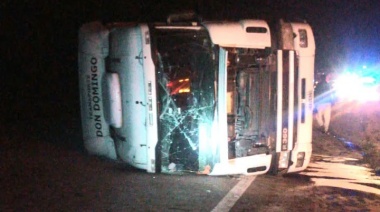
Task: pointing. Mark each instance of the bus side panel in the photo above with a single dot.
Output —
(126, 59)
(93, 49)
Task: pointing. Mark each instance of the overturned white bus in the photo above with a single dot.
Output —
(228, 97)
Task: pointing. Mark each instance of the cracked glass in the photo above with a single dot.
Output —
(186, 95)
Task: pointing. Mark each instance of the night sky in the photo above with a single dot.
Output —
(39, 40)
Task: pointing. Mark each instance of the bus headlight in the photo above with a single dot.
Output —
(303, 38)
(283, 161)
(300, 159)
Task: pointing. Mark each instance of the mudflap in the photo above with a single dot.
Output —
(273, 169)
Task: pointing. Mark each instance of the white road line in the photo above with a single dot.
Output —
(234, 194)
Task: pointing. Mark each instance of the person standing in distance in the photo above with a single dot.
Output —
(323, 100)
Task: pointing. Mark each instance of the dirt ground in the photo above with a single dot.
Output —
(355, 133)
(324, 198)
(353, 126)
(297, 193)
(360, 124)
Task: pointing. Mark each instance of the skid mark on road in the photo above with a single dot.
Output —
(234, 194)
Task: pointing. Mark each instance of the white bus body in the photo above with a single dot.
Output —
(223, 97)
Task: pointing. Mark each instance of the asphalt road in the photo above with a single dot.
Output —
(44, 168)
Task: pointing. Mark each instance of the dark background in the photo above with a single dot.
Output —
(38, 58)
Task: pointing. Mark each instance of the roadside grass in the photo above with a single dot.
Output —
(360, 124)
(371, 154)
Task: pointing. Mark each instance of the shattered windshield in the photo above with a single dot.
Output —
(186, 94)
